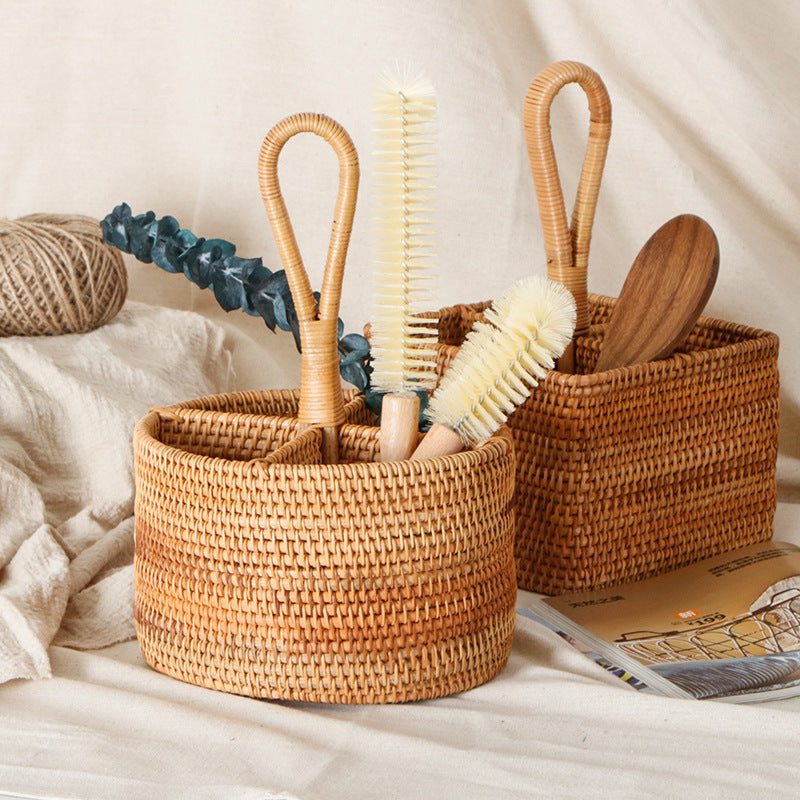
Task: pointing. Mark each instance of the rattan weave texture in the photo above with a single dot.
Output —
(627, 473)
(282, 577)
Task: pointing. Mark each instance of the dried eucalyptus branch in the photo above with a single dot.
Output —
(236, 282)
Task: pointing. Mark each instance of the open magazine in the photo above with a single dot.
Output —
(725, 628)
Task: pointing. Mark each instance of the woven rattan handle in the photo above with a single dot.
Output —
(567, 246)
(321, 401)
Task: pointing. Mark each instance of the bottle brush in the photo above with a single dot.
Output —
(403, 342)
(503, 358)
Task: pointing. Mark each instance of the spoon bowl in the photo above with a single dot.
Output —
(664, 293)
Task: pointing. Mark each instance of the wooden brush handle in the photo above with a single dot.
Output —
(438, 441)
(399, 425)
(567, 246)
(321, 401)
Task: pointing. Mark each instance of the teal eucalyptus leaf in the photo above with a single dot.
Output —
(141, 242)
(203, 259)
(355, 374)
(167, 247)
(353, 348)
(256, 299)
(116, 227)
(227, 282)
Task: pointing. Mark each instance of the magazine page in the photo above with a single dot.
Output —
(727, 627)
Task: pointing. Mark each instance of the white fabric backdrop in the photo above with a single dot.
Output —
(165, 104)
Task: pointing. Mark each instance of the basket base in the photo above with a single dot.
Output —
(405, 675)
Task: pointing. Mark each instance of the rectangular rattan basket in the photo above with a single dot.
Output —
(635, 471)
(632, 471)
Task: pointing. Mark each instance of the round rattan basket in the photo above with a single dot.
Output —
(263, 572)
(277, 558)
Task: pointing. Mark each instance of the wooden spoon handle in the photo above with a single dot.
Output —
(567, 246)
(321, 400)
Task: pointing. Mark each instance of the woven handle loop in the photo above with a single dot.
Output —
(567, 245)
(321, 401)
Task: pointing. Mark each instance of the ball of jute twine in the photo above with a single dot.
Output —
(57, 275)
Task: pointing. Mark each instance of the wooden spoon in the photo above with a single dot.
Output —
(665, 292)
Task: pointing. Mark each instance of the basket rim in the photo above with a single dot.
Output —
(353, 400)
(499, 445)
(753, 343)
(707, 322)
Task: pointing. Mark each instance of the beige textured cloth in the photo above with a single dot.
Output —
(69, 405)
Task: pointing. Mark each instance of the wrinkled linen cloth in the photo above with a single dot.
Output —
(68, 406)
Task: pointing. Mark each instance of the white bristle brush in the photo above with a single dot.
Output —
(502, 359)
(402, 344)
